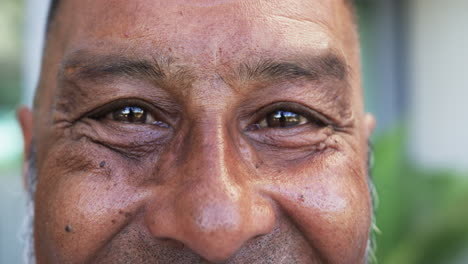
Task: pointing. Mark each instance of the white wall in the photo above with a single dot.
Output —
(438, 66)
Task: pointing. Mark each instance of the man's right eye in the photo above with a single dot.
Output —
(129, 114)
(134, 115)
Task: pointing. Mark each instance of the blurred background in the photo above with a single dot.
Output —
(415, 57)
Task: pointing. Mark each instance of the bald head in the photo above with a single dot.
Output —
(55, 3)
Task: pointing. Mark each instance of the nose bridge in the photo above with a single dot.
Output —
(206, 151)
(212, 210)
(212, 192)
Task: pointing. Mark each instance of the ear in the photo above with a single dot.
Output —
(369, 124)
(25, 119)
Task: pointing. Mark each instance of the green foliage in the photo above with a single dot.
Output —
(11, 16)
(422, 214)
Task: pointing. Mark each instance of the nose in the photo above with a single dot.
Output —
(211, 205)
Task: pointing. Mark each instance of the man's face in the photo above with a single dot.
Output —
(201, 131)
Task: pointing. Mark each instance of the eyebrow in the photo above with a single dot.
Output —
(87, 66)
(95, 67)
(310, 67)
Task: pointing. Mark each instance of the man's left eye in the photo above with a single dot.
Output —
(282, 119)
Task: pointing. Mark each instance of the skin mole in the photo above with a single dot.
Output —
(126, 214)
(102, 164)
(301, 198)
(68, 228)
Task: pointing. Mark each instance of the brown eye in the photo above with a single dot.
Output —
(282, 119)
(134, 115)
(130, 114)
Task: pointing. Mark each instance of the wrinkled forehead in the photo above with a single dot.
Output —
(202, 29)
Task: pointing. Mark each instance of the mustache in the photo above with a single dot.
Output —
(132, 245)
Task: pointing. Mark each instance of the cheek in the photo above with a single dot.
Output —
(78, 212)
(331, 206)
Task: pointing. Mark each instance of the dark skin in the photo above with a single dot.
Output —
(211, 131)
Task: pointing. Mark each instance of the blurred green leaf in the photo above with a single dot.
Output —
(422, 214)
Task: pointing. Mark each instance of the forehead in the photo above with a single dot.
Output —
(204, 29)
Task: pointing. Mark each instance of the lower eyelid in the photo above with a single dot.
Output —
(127, 138)
(296, 137)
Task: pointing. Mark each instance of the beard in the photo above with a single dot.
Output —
(28, 225)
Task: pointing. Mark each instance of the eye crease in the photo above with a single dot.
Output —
(282, 119)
